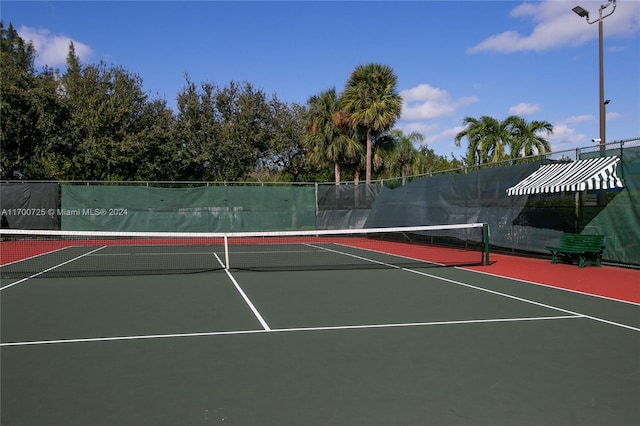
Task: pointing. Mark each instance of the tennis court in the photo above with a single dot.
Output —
(106, 334)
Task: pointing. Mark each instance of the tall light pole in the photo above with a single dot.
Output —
(585, 14)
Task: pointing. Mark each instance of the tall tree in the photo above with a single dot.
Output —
(52, 152)
(286, 152)
(487, 138)
(328, 137)
(195, 131)
(16, 77)
(158, 148)
(223, 132)
(31, 113)
(19, 114)
(394, 153)
(371, 101)
(105, 106)
(243, 117)
(527, 138)
(405, 154)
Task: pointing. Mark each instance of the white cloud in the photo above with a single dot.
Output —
(565, 137)
(424, 102)
(524, 109)
(571, 133)
(422, 92)
(612, 116)
(418, 126)
(579, 118)
(557, 25)
(423, 110)
(616, 49)
(52, 50)
(443, 142)
(448, 134)
(435, 135)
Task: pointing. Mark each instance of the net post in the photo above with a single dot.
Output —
(485, 237)
(226, 251)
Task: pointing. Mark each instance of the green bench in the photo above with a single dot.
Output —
(586, 248)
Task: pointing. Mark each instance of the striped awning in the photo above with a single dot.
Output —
(593, 173)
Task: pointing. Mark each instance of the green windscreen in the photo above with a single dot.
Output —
(200, 209)
(526, 223)
(619, 220)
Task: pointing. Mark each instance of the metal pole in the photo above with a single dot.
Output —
(602, 106)
(602, 194)
(583, 13)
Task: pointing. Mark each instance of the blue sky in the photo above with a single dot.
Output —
(453, 59)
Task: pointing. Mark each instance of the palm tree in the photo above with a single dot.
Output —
(405, 154)
(371, 101)
(528, 137)
(474, 133)
(383, 147)
(327, 138)
(487, 138)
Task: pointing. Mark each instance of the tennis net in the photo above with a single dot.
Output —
(25, 253)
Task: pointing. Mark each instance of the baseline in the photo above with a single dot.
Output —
(289, 330)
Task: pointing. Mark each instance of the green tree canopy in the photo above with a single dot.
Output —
(106, 106)
(328, 137)
(489, 138)
(28, 109)
(371, 101)
(527, 138)
(286, 153)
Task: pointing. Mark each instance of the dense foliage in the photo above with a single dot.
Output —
(491, 140)
(95, 122)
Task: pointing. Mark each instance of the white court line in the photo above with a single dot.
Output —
(184, 253)
(570, 290)
(521, 299)
(426, 262)
(288, 330)
(389, 265)
(487, 290)
(50, 269)
(244, 296)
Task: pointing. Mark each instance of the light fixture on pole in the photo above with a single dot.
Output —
(581, 12)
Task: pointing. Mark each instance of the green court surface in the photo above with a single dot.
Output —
(396, 346)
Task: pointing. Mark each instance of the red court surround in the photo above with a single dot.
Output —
(607, 281)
